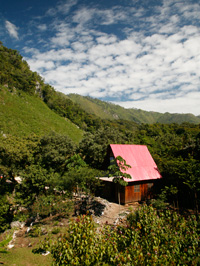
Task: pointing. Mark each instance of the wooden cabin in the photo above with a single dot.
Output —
(144, 173)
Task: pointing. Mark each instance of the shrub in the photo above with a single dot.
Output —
(79, 246)
(148, 238)
(166, 237)
(55, 230)
(47, 205)
(5, 213)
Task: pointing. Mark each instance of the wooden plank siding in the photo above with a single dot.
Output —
(128, 194)
(138, 191)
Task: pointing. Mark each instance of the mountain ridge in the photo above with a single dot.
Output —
(107, 110)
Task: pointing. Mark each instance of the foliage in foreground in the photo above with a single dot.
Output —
(148, 238)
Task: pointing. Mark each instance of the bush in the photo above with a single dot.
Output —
(80, 246)
(48, 205)
(55, 230)
(166, 237)
(5, 213)
(148, 238)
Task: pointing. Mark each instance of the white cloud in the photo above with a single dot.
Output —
(84, 15)
(12, 29)
(63, 7)
(157, 67)
(40, 65)
(42, 27)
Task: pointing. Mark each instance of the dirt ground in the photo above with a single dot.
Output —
(114, 213)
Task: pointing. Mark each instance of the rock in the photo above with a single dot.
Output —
(16, 224)
(10, 246)
(43, 231)
(46, 253)
(28, 230)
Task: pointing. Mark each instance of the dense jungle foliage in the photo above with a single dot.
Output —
(52, 162)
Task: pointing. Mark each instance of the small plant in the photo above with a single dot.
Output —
(22, 217)
(5, 242)
(56, 223)
(37, 231)
(55, 230)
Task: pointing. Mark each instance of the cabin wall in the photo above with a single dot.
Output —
(138, 191)
(134, 191)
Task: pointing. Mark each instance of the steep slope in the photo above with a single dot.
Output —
(23, 110)
(92, 106)
(107, 110)
(22, 114)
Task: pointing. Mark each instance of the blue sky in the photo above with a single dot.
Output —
(141, 54)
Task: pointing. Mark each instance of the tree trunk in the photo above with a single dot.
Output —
(118, 185)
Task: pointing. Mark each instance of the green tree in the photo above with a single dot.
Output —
(190, 174)
(117, 170)
(16, 153)
(35, 181)
(79, 180)
(93, 147)
(55, 151)
(5, 213)
(184, 174)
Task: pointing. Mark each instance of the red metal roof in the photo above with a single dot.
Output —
(139, 158)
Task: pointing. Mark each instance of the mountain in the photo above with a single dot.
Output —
(29, 106)
(23, 110)
(106, 110)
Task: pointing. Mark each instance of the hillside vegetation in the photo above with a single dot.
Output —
(106, 110)
(22, 108)
(22, 115)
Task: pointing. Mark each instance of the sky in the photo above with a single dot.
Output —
(142, 54)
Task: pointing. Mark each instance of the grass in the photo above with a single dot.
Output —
(24, 257)
(21, 254)
(23, 115)
(91, 107)
(5, 242)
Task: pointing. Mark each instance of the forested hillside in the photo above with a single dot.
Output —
(106, 110)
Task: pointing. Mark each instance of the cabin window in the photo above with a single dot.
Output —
(136, 188)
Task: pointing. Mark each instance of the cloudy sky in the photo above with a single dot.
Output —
(136, 53)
